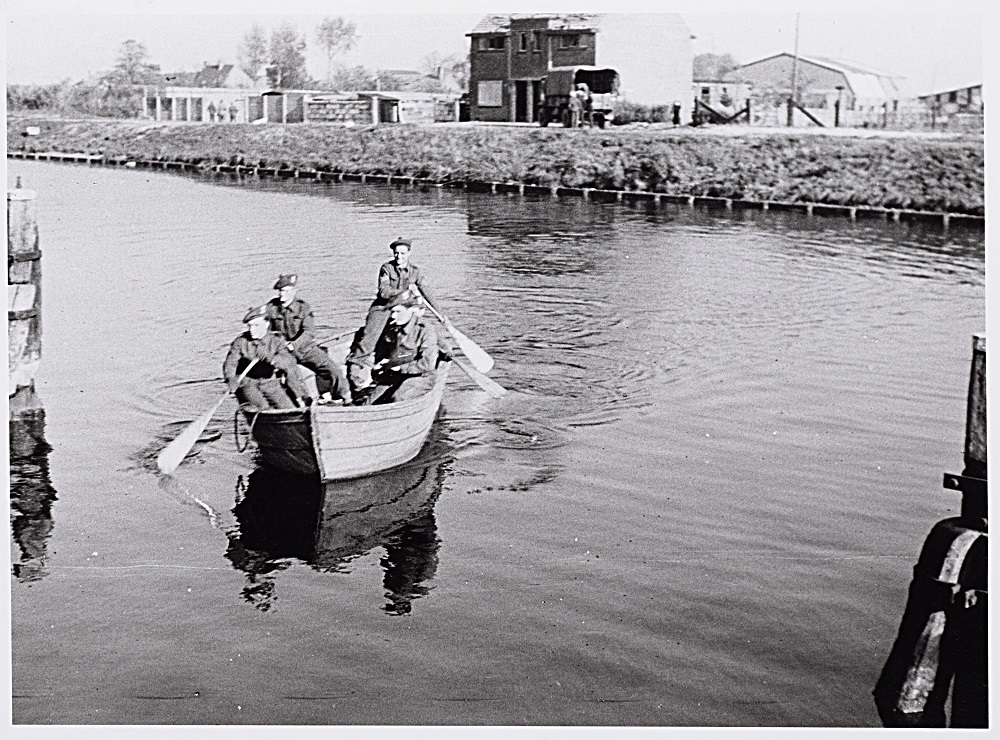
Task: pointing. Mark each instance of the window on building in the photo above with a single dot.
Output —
(537, 35)
(489, 93)
(706, 94)
(496, 42)
(524, 42)
(953, 96)
(569, 41)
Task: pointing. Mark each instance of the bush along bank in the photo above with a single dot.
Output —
(914, 174)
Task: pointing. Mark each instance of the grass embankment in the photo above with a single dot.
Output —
(927, 174)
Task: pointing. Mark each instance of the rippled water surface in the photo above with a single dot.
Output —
(699, 505)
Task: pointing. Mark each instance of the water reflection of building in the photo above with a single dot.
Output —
(31, 493)
(284, 518)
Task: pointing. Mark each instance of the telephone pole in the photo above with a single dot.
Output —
(795, 69)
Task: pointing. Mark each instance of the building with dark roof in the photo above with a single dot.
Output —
(511, 55)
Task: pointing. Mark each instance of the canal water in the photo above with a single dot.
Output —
(699, 504)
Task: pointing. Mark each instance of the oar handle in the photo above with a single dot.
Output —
(335, 337)
(235, 386)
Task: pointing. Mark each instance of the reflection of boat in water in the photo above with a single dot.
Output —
(344, 442)
(283, 518)
(31, 493)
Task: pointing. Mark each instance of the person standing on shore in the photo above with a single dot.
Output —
(575, 108)
(261, 387)
(396, 278)
(292, 319)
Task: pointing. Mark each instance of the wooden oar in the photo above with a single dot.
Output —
(476, 354)
(336, 337)
(175, 452)
(483, 381)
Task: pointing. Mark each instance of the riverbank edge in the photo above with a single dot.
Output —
(596, 194)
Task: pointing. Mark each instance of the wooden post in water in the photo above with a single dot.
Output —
(942, 640)
(24, 290)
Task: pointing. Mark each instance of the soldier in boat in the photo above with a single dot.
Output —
(406, 354)
(292, 319)
(261, 387)
(397, 277)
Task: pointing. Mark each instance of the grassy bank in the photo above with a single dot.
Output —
(914, 173)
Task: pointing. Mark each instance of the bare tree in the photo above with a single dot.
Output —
(335, 35)
(252, 53)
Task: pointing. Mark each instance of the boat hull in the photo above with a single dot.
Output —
(344, 442)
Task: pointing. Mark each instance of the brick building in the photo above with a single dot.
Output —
(510, 56)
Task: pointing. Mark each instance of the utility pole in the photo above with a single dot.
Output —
(795, 69)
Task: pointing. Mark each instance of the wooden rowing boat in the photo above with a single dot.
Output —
(344, 442)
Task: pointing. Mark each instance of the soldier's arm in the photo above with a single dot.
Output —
(427, 352)
(231, 362)
(307, 327)
(386, 290)
(422, 287)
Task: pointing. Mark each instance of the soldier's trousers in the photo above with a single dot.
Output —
(401, 387)
(329, 377)
(363, 349)
(264, 393)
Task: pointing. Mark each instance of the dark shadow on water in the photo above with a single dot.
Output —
(31, 494)
(283, 519)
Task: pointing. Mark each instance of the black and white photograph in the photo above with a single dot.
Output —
(483, 370)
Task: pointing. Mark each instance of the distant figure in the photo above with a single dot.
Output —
(233, 110)
(397, 277)
(292, 319)
(676, 113)
(587, 103)
(261, 387)
(405, 356)
(211, 112)
(575, 109)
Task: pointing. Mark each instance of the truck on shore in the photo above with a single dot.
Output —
(560, 83)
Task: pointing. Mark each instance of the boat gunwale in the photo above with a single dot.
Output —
(383, 413)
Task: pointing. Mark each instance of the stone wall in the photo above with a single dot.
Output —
(339, 110)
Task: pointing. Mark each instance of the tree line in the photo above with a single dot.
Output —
(276, 61)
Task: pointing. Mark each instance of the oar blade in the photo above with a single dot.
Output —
(174, 453)
(476, 354)
(493, 388)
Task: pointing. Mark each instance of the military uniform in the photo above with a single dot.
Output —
(392, 281)
(412, 353)
(295, 322)
(261, 387)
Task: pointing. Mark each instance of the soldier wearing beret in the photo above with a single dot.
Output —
(292, 319)
(397, 279)
(406, 353)
(261, 387)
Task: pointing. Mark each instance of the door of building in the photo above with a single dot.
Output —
(536, 98)
(521, 100)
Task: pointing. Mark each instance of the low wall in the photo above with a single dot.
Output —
(336, 110)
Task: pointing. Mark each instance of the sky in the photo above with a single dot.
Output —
(934, 45)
